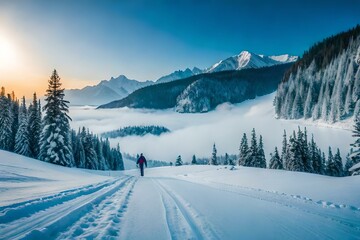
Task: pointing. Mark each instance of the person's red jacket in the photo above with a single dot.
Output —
(141, 161)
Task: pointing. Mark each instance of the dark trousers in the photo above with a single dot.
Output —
(142, 169)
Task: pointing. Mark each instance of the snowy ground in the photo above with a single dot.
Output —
(43, 201)
(196, 133)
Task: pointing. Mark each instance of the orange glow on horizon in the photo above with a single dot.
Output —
(39, 85)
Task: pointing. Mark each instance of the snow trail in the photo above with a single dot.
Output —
(103, 221)
(27, 208)
(46, 223)
(183, 221)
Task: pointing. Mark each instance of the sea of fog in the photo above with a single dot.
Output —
(196, 133)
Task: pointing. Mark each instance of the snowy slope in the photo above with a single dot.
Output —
(250, 60)
(188, 202)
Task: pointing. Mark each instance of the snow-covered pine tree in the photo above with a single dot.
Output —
(309, 102)
(324, 163)
(275, 161)
(295, 162)
(6, 120)
(261, 162)
(90, 154)
(349, 163)
(284, 157)
(178, 161)
(22, 145)
(55, 137)
(34, 114)
(355, 155)
(244, 151)
(214, 160)
(253, 151)
(304, 149)
(15, 106)
(315, 157)
(193, 161)
(106, 152)
(331, 168)
(119, 163)
(99, 153)
(338, 164)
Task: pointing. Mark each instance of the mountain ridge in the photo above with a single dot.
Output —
(120, 87)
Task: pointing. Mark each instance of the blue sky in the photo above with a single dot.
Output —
(92, 40)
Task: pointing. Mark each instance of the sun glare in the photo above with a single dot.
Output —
(8, 53)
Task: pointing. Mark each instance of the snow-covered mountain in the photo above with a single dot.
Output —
(250, 60)
(180, 74)
(120, 87)
(105, 91)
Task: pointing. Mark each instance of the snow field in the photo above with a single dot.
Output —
(186, 202)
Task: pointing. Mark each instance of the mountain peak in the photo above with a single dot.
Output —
(246, 59)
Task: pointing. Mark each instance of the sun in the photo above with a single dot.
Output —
(8, 53)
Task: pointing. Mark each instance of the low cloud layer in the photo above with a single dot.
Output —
(196, 133)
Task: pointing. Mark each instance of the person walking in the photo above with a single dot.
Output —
(140, 163)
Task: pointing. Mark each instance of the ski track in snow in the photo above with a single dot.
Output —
(103, 222)
(304, 204)
(45, 219)
(183, 221)
(27, 208)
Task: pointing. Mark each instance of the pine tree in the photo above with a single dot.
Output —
(295, 162)
(244, 151)
(213, 160)
(315, 157)
(355, 155)
(193, 161)
(284, 157)
(338, 164)
(304, 150)
(22, 145)
(6, 121)
(35, 127)
(15, 107)
(275, 161)
(91, 161)
(324, 163)
(119, 163)
(331, 168)
(98, 149)
(261, 162)
(253, 151)
(55, 137)
(231, 161)
(178, 161)
(349, 163)
(226, 160)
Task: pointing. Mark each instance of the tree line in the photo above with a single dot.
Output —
(137, 131)
(23, 130)
(297, 154)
